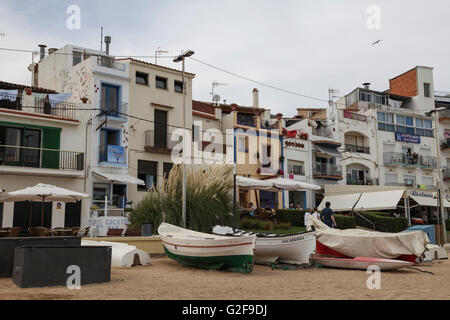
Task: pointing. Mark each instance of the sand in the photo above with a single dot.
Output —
(166, 279)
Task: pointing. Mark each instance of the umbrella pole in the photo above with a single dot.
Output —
(257, 200)
(42, 212)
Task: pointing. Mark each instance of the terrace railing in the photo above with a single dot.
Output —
(354, 116)
(160, 141)
(355, 148)
(19, 156)
(325, 169)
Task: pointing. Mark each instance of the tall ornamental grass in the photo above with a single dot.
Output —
(209, 199)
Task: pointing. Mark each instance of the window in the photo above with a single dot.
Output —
(423, 127)
(385, 121)
(30, 155)
(390, 179)
(167, 166)
(161, 82)
(196, 133)
(296, 168)
(147, 171)
(426, 89)
(427, 181)
(410, 180)
(110, 99)
(365, 96)
(77, 57)
(141, 78)
(178, 86)
(380, 99)
(242, 144)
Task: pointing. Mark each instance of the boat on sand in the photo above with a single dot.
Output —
(360, 263)
(275, 248)
(207, 251)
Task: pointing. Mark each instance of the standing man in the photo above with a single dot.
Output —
(306, 217)
(328, 217)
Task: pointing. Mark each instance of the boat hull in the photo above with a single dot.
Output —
(293, 249)
(208, 251)
(361, 263)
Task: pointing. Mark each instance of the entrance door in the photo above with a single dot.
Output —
(22, 215)
(72, 216)
(160, 128)
(32, 140)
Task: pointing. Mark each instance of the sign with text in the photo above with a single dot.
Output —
(406, 137)
(116, 154)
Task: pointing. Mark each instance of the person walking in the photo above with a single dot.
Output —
(327, 216)
(316, 214)
(306, 217)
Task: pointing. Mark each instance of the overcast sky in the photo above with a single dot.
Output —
(301, 46)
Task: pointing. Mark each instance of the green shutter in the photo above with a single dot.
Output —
(51, 140)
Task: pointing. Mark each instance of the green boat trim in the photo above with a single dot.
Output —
(236, 263)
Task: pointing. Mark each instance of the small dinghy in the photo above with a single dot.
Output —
(360, 263)
(274, 248)
(208, 251)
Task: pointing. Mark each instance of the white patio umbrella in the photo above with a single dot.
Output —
(253, 184)
(290, 184)
(44, 193)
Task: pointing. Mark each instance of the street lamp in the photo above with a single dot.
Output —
(439, 185)
(181, 58)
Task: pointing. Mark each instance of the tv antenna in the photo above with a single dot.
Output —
(158, 52)
(214, 84)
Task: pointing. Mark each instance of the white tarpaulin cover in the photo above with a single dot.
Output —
(252, 184)
(363, 243)
(119, 178)
(380, 200)
(341, 202)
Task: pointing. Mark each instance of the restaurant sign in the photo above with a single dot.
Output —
(406, 137)
(428, 195)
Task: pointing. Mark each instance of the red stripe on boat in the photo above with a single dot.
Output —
(220, 246)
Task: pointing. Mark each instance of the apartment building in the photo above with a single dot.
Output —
(389, 136)
(442, 103)
(156, 99)
(102, 84)
(37, 145)
(312, 154)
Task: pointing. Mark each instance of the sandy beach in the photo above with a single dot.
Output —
(166, 279)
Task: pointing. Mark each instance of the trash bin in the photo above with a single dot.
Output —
(146, 229)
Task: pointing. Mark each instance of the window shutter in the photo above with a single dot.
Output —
(51, 140)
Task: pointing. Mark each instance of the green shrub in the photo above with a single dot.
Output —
(283, 226)
(248, 223)
(382, 223)
(295, 217)
(209, 200)
(345, 222)
(380, 213)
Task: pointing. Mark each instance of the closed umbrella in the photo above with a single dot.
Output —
(44, 193)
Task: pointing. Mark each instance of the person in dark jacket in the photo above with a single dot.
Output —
(327, 216)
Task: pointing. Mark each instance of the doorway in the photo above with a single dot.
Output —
(22, 215)
(72, 215)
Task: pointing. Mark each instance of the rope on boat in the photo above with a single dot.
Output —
(424, 271)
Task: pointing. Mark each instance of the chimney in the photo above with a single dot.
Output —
(366, 85)
(255, 98)
(107, 41)
(51, 50)
(42, 51)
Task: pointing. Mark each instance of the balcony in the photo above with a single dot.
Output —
(354, 116)
(444, 115)
(445, 144)
(367, 181)
(160, 142)
(115, 110)
(428, 162)
(28, 157)
(112, 154)
(446, 174)
(27, 105)
(402, 159)
(109, 62)
(355, 148)
(327, 171)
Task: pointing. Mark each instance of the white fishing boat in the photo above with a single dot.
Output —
(361, 263)
(274, 248)
(206, 250)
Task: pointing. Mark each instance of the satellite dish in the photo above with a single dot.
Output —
(216, 98)
(31, 67)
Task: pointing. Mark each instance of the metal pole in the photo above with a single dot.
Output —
(439, 185)
(184, 150)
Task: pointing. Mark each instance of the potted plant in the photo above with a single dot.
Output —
(282, 159)
(281, 172)
(84, 100)
(258, 171)
(304, 135)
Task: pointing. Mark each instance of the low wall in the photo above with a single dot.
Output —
(151, 245)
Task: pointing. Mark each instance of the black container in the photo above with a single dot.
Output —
(146, 229)
(45, 266)
(8, 245)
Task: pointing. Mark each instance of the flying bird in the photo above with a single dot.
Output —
(376, 42)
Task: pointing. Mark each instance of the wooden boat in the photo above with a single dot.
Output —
(208, 251)
(272, 248)
(361, 263)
